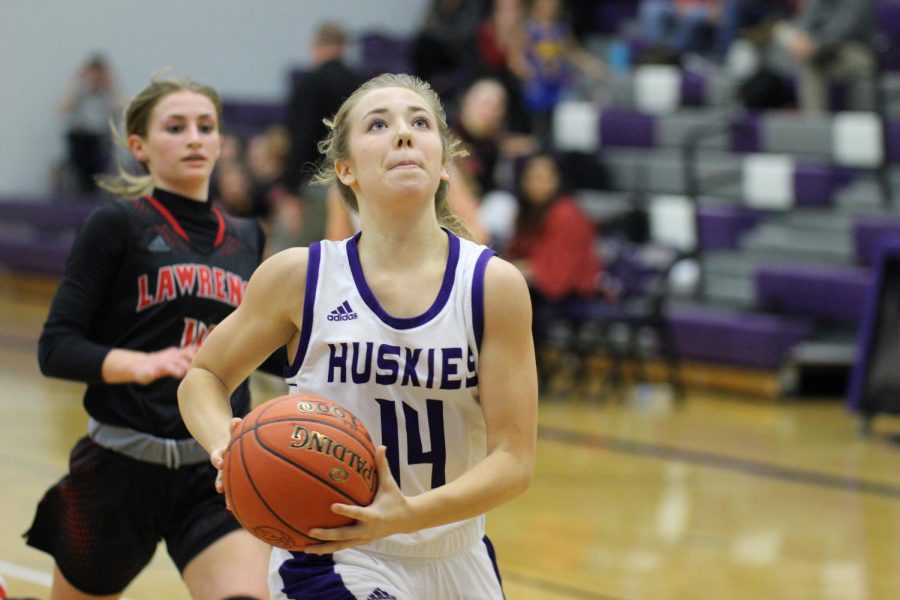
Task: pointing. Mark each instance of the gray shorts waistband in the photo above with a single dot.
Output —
(145, 447)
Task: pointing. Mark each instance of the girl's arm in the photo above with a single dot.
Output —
(267, 318)
(507, 378)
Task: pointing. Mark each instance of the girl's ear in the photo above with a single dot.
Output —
(344, 172)
(136, 147)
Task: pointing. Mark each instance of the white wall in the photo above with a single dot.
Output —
(242, 48)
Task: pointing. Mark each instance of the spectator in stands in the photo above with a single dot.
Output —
(747, 18)
(481, 124)
(233, 188)
(499, 42)
(316, 95)
(554, 244)
(441, 52)
(681, 26)
(550, 56)
(90, 103)
(266, 157)
(830, 41)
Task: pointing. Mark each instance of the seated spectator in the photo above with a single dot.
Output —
(681, 26)
(554, 244)
(265, 160)
(232, 188)
(91, 102)
(440, 51)
(829, 42)
(549, 58)
(499, 40)
(746, 19)
(481, 125)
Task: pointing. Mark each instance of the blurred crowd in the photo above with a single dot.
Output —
(501, 67)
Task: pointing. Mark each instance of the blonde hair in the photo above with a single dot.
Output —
(336, 145)
(137, 122)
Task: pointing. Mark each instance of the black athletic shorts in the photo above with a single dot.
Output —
(103, 521)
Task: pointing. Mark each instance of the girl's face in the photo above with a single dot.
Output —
(182, 143)
(540, 180)
(394, 146)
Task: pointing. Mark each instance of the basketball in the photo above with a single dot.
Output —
(290, 459)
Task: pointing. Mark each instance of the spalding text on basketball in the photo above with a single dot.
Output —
(306, 439)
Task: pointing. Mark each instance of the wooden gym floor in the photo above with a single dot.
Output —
(725, 497)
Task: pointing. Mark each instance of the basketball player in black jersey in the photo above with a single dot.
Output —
(147, 279)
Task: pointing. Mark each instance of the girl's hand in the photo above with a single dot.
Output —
(171, 362)
(217, 458)
(388, 514)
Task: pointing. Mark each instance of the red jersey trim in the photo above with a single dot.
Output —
(162, 210)
(220, 235)
(168, 217)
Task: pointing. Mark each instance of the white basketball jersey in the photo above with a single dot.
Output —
(412, 381)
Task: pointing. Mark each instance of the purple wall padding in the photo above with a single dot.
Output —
(627, 128)
(832, 293)
(742, 339)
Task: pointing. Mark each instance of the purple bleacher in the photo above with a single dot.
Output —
(721, 227)
(610, 15)
(693, 89)
(893, 140)
(622, 127)
(887, 17)
(832, 293)
(877, 322)
(741, 339)
(815, 183)
(745, 133)
(249, 117)
(869, 233)
(384, 53)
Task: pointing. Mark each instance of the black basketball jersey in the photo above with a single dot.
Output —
(145, 275)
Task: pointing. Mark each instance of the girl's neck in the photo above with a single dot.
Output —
(197, 194)
(386, 240)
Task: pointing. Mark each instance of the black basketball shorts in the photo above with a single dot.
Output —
(103, 521)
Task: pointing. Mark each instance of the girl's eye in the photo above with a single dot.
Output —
(207, 128)
(377, 124)
(422, 122)
(174, 128)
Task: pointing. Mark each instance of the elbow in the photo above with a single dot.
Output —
(523, 479)
(45, 357)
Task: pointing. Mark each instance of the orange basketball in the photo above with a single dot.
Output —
(292, 458)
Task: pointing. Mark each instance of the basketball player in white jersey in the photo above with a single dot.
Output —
(421, 333)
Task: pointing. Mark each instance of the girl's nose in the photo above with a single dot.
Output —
(404, 135)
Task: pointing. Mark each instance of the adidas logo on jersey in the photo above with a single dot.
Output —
(342, 313)
(158, 245)
(380, 594)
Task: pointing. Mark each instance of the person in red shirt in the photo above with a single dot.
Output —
(554, 244)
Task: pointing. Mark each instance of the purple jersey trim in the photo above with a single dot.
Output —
(372, 302)
(309, 299)
(493, 556)
(478, 294)
(308, 576)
